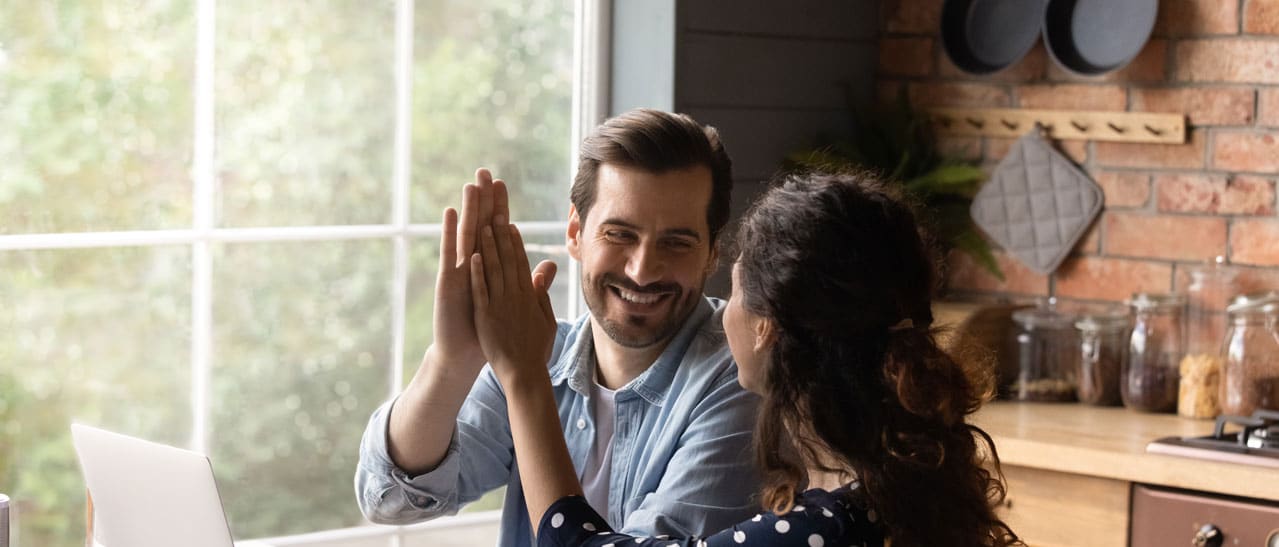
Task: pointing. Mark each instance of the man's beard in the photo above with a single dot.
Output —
(651, 329)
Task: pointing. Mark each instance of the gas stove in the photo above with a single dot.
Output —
(1252, 440)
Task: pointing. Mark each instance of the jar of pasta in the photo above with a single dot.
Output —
(1211, 287)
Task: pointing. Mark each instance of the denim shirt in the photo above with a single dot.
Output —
(681, 461)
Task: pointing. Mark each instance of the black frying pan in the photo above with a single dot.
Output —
(984, 36)
(1091, 37)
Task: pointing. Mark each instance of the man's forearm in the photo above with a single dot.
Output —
(423, 418)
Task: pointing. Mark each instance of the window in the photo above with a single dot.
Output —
(219, 225)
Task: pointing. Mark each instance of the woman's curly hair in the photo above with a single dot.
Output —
(838, 262)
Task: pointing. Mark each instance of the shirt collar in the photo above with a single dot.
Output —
(576, 364)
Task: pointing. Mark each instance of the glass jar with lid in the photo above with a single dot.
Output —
(1250, 370)
(1149, 379)
(1103, 346)
(1047, 352)
(1211, 287)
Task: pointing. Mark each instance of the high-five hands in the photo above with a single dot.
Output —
(514, 321)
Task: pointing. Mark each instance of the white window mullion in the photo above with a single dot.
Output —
(201, 253)
(400, 191)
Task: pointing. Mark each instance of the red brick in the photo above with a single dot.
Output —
(1150, 65)
(1031, 67)
(1192, 17)
(1268, 107)
(1072, 97)
(1165, 236)
(958, 94)
(1216, 194)
(1160, 156)
(1090, 244)
(912, 16)
(1124, 189)
(1257, 279)
(1255, 241)
(906, 56)
(1097, 278)
(964, 273)
(959, 147)
(1228, 60)
(1261, 17)
(1202, 105)
(1246, 151)
(997, 148)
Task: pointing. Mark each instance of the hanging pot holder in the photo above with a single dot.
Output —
(1037, 204)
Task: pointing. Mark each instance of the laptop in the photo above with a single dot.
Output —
(148, 494)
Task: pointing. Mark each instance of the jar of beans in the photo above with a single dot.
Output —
(1150, 378)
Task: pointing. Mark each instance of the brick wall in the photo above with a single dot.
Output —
(1167, 206)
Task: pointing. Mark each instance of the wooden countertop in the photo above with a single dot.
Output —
(1111, 443)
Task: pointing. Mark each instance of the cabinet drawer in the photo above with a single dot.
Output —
(1054, 509)
(1163, 516)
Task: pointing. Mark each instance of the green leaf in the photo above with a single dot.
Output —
(974, 245)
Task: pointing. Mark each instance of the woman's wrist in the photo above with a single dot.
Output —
(518, 376)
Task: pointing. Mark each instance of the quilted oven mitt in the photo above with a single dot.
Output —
(1037, 204)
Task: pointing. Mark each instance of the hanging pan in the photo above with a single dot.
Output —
(985, 36)
(1091, 37)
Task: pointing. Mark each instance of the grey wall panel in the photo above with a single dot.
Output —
(721, 70)
(644, 39)
(758, 140)
(834, 20)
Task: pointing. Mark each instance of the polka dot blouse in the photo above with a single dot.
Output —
(820, 518)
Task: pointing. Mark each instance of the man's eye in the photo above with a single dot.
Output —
(679, 244)
(619, 236)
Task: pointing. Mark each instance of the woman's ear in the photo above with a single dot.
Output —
(765, 335)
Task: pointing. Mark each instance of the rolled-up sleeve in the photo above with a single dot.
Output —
(478, 460)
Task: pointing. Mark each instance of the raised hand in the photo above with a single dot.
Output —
(483, 203)
(513, 317)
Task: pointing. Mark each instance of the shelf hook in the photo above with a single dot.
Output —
(1012, 126)
(1153, 131)
(1116, 128)
(975, 122)
(1079, 126)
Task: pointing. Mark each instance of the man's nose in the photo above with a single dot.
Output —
(645, 265)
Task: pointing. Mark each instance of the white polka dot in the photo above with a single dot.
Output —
(757, 518)
(641, 539)
(581, 423)
(701, 543)
(588, 527)
(609, 545)
(557, 520)
(816, 541)
(826, 512)
(663, 536)
(739, 536)
(871, 516)
(798, 508)
(782, 526)
(603, 533)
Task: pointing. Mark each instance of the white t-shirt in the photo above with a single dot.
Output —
(599, 464)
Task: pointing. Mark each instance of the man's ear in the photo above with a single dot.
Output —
(765, 335)
(712, 263)
(573, 236)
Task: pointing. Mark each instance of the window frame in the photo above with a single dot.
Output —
(590, 97)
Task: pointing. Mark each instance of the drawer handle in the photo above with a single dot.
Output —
(1208, 536)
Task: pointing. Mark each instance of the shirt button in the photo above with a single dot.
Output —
(581, 423)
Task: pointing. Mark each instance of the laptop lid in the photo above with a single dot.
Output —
(148, 494)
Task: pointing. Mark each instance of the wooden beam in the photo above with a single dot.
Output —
(1147, 127)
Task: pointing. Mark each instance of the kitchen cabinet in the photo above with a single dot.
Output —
(1070, 469)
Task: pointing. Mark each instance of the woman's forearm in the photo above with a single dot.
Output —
(546, 471)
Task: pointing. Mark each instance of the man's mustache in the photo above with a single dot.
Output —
(651, 288)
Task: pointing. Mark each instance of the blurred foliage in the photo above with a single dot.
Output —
(897, 142)
(96, 125)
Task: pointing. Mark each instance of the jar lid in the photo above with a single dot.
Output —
(1257, 301)
(1147, 301)
(1215, 268)
(1103, 320)
(1041, 318)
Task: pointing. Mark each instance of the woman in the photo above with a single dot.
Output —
(862, 434)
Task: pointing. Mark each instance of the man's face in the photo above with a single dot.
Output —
(645, 250)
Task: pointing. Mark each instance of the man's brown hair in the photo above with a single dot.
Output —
(656, 142)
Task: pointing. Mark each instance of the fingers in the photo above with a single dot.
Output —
(467, 228)
(484, 180)
(501, 204)
(507, 253)
(543, 276)
(479, 288)
(521, 259)
(493, 275)
(448, 240)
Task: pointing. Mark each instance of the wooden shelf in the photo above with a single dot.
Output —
(1062, 124)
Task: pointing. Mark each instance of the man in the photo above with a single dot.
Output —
(655, 421)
